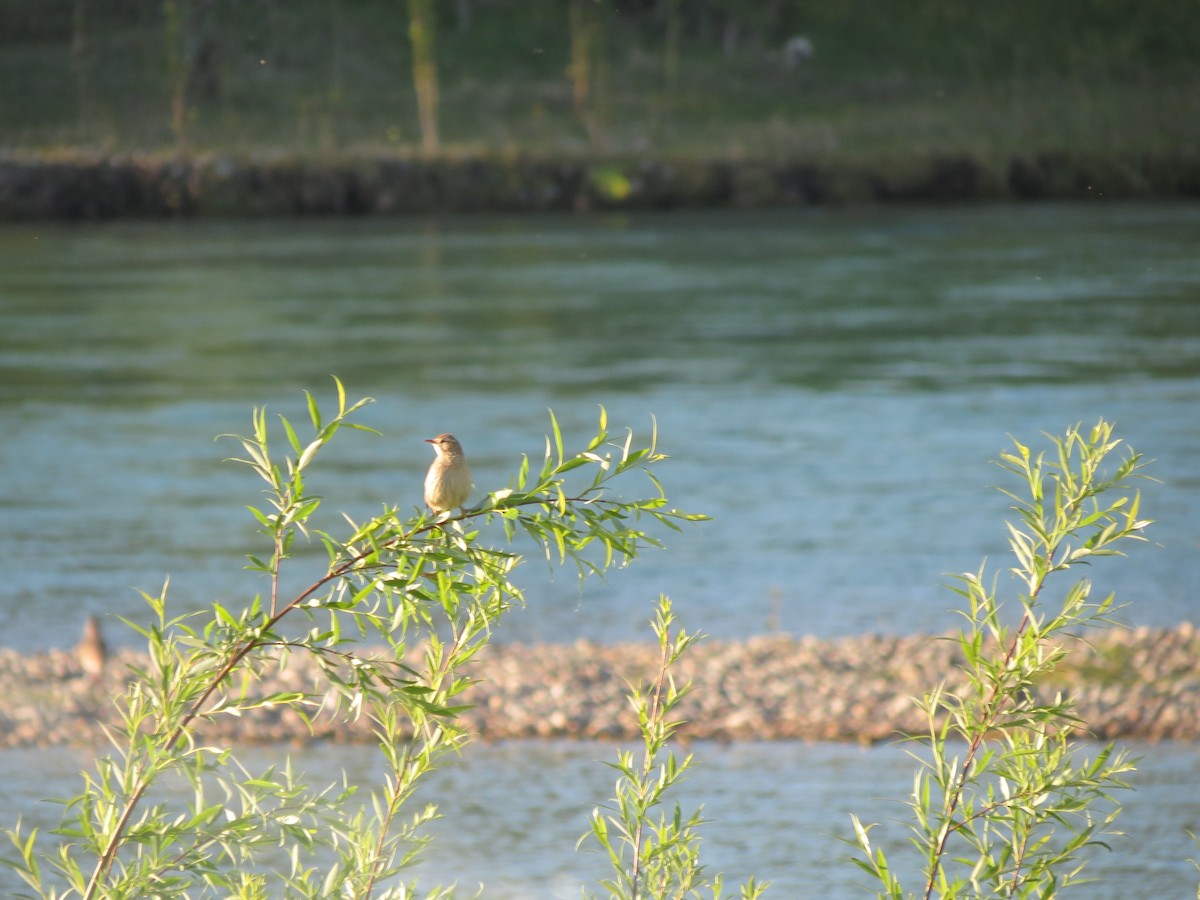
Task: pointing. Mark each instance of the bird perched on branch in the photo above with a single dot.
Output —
(448, 482)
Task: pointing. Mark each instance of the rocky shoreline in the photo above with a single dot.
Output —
(1140, 684)
(79, 186)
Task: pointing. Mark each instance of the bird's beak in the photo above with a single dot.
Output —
(430, 441)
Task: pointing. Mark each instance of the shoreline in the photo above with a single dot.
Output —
(1141, 683)
(86, 187)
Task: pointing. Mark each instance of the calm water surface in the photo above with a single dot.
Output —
(514, 811)
(831, 386)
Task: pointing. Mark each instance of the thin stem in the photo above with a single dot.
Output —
(397, 795)
(276, 562)
(110, 850)
(385, 826)
(992, 707)
(1018, 860)
(654, 702)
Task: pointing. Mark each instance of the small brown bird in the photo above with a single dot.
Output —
(448, 482)
(91, 650)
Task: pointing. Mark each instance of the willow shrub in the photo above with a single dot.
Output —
(1005, 803)
(653, 848)
(426, 591)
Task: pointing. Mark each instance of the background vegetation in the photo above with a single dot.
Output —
(681, 78)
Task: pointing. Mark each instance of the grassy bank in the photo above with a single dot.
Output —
(885, 84)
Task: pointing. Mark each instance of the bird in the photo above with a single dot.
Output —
(91, 650)
(448, 482)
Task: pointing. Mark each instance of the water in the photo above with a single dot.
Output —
(780, 812)
(831, 385)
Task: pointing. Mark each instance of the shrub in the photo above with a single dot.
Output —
(655, 852)
(429, 590)
(1004, 803)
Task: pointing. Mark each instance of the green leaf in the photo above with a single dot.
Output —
(601, 431)
(341, 397)
(291, 434)
(314, 413)
(558, 442)
(573, 463)
(309, 452)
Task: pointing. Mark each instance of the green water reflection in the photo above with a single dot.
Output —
(830, 383)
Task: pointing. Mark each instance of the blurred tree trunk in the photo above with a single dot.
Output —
(586, 66)
(421, 33)
(671, 62)
(80, 63)
(580, 66)
(329, 129)
(177, 70)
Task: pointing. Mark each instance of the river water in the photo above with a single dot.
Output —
(830, 384)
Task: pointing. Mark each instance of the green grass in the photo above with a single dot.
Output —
(332, 76)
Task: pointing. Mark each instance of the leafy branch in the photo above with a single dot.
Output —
(405, 582)
(1018, 783)
(655, 853)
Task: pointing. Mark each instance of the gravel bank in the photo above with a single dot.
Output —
(1143, 683)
